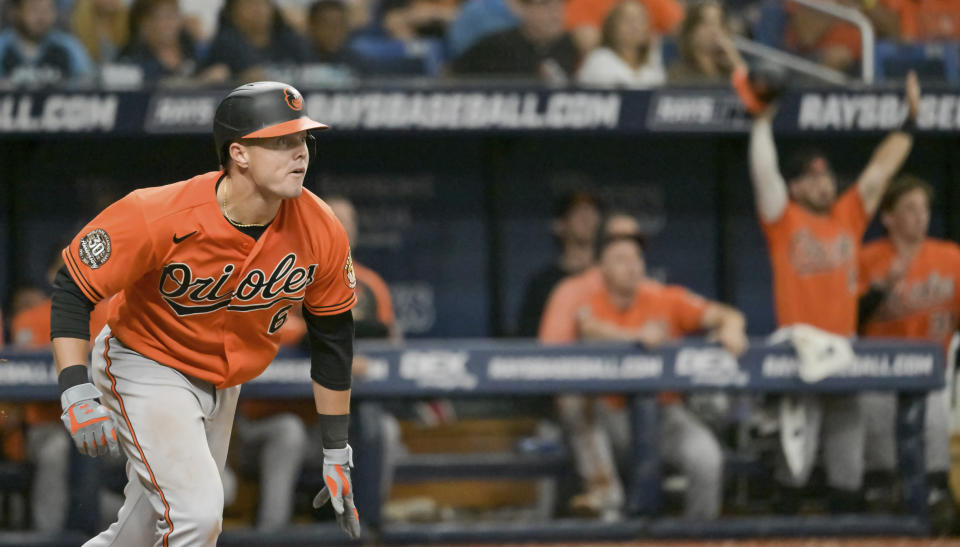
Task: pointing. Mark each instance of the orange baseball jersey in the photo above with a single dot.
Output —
(677, 309)
(30, 329)
(814, 259)
(195, 293)
(558, 324)
(925, 304)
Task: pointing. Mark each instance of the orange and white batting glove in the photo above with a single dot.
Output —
(88, 422)
(339, 489)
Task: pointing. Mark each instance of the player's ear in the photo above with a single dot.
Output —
(239, 154)
(886, 219)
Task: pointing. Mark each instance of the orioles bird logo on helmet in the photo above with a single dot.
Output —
(293, 98)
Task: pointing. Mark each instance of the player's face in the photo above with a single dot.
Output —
(582, 222)
(622, 266)
(816, 189)
(278, 164)
(621, 225)
(910, 217)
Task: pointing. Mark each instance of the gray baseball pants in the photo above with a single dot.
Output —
(175, 431)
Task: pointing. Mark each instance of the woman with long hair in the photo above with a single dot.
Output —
(101, 26)
(629, 54)
(707, 54)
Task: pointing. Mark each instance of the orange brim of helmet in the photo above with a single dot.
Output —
(285, 128)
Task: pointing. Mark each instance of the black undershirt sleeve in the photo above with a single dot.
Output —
(867, 305)
(331, 349)
(70, 309)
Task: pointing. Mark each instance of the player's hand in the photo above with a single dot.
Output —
(913, 94)
(652, 334)
(339, 489)
(732, 338)
(88, 422)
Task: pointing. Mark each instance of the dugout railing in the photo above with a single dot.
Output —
(478, 368)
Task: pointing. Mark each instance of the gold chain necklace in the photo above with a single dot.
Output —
(227, 216)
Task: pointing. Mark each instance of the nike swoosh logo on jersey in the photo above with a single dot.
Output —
(180, 239)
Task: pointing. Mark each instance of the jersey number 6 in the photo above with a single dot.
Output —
(278, 319)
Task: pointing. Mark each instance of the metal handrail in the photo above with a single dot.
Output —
(854, 17)
(793, 62)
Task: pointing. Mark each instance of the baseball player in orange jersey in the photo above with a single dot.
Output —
(204, 273)
(813, 238)
(630, 307)
(909, 284)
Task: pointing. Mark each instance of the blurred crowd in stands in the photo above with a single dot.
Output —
(630, 44)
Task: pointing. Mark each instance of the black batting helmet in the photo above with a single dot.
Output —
(258, 110)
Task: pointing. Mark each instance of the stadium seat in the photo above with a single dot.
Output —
(385, 56)
(932, 61)
(771, 26)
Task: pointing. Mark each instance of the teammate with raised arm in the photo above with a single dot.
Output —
(204, 272)
(813, 238)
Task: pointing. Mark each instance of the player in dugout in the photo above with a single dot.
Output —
(813, 237)
(205, 272)
(628, 306)
(908, 283)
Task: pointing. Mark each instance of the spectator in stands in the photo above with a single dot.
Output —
(537, 48)
(328, 31)
(910, 286)
(833, 42)
(411, 19)
(254, 42)
(584, 19)
(576, 217)
(926, 20)
(630, 307)
(629, 55)
(707, 54)
(479, 18)
(814, 239)
(34, 53)
(159, 42)
(101, 26)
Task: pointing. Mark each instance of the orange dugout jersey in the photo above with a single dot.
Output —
(925, 304)
(677, 309)
(374, 296)
(195, 293)
(814, 260)
(30, 328)
(558, 324)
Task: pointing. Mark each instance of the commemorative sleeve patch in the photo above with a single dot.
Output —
(94, 248)
(349, 277)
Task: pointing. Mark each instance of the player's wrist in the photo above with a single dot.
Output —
(334, 430)
(73, 375)
(908, 125)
